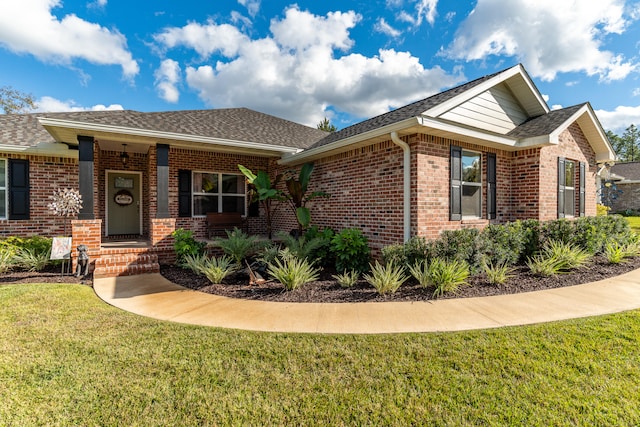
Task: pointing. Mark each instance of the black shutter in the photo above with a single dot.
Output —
(491, 185)
(582, 179)
(184, 193)
(18, 189)
(561, 182)
(455, 196)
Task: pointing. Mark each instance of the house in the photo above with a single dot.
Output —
(624, 193)
(488, 151)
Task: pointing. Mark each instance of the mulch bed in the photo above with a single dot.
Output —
(327, 290)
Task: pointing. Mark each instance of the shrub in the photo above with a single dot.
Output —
(447, 276)
(238, 245)
(386, 278)
(559, 230)
(292, 272)
(31, 259)
(460, 245)
(351, 249)
(420, 271)
(195, 262)
(394, 254)
(602, 210)
(497, 274)
(6, 259)
(322, 254)
(185, 244)
(301, 247)
(417, 249)
(347, 279)
(614, 252)
(502, 244)
(216, 269)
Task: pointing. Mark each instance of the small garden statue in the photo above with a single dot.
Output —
(82, 269)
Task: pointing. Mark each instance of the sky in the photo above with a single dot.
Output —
(346, 60)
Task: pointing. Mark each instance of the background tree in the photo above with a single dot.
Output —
(326, 126)
(627, 146)
(13, 101)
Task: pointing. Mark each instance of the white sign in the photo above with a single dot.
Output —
(61, 248)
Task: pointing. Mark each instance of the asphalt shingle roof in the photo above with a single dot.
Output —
(236, 124)
(408, 111)
(544, 124)
(629, 170)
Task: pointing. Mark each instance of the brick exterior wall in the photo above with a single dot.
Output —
(46, 174)
(628, 197)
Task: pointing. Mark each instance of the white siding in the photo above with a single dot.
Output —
(495, 110)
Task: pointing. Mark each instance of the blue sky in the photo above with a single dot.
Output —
(346, 60)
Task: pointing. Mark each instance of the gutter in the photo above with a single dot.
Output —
(406, 183)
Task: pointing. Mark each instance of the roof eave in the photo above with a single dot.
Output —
(54, 126)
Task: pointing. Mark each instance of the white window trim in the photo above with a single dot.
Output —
(219, 194)
(5, 188)
(471, 184)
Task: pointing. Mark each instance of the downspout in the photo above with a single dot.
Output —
(406, 183)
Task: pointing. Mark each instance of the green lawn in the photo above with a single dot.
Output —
(634, 221)
(66, 358)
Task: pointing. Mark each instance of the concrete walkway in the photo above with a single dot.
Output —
(153, 296)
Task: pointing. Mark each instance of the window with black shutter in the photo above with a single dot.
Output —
(491, 186)
(18, 189)
(184, 193)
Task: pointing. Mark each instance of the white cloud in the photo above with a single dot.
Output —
(423, 10)
(205, 39)
(619, 119)
(548, 36)
(47, 104)
(167, 77)
(98, 4)
(28, 26)
(253, 6)
(383, 27)
(305, 70)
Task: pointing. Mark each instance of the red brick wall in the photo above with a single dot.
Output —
(46, 174)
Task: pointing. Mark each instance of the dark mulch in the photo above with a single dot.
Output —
(327, 290)
(52, 274)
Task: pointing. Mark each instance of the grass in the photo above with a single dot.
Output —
(634, 222)
(66, 358)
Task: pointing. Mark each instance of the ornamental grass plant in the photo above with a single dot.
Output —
(292, 272)
(386, 278)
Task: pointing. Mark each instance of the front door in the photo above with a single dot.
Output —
(123, 203)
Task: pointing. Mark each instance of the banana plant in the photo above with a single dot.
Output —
(298, 197)
(265, 192)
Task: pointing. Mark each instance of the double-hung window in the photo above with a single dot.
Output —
(3, 189)
(466, 184)
(218, 192)
(569, 186)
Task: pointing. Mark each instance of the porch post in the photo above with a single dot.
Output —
(85, 176)
(162, 185)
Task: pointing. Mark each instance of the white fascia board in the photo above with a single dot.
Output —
(315, 153)
(152, 134)
(455, 129)
(41, 149)
(442, 108)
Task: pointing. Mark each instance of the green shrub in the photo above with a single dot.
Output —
(394, 254)
(351, 250)
(268, 253)
(447, 276)
(301, 247)
(185, 244)
(460, 245)
(347, 279)
(502, 244)
(216, 269)
(195, 262)
(497, 274)
(292, 272)
(322, 254)
(6, 259)
(238, 245)
(386, 278)
(602, 210)
(30, 259)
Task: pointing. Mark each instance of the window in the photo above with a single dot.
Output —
(569, 188)
(218, 192)
(466, 184)
(567, 173)
(3, 189)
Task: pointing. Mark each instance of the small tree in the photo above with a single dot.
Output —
(326, 126)
(66, 202)
(263, 191)
(298, 196)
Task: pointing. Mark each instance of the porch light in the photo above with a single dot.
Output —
(124, 157)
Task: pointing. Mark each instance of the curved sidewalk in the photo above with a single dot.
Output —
(153, 296)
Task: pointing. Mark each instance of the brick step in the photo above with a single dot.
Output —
(125, 264)
(126, 259)
(130, 270)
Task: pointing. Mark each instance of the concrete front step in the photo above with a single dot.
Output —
(125, 263)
